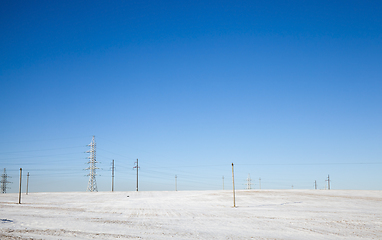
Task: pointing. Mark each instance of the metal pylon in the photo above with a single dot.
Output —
(92, 184)
(4, 181)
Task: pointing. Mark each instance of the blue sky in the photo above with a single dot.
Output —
(287, 91)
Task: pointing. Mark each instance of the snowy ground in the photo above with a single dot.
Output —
(260, 214)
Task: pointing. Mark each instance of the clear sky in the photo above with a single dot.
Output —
(289, 91)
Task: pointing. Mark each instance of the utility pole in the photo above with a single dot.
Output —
(223, 182)
(137, 172)
(328, 180)
(176, 187)
(233, 186)
(259, 183)
(112, 176)
(21, 171)
(92, 184)
(4, 181)
(249, 182)
(27, 183)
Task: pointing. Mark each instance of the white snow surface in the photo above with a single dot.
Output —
(260, 214)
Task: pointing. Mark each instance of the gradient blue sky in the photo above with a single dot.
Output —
(289, 91)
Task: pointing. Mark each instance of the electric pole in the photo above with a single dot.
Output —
(328, 180)
(249, 182)
(137, 172)
(259, 183)
(4, 181)
(176, 187)
(233, 186)
(21, 171)
(27, 183)
(112, 176)
(92, 184)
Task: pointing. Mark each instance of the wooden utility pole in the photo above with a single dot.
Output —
(112, 176)
(233, 187)
(137, 173)
(27, 183)
(21, 170)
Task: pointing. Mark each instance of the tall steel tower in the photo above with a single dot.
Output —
(249, 182)
(4, 181)
(92, 184)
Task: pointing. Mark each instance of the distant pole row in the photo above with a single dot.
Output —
(327, 180)
(4, 181)
(92, 185)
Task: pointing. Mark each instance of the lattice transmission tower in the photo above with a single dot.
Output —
(92, 184)
(249, 182)
(4, 181)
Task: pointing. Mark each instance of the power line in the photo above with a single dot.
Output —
(40, 150)
(127, 157)
(43, 140)
(293, 164)
(40, 156)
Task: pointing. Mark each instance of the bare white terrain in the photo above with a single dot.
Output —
(260, 214)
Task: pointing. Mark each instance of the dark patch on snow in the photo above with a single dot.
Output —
(6, 220)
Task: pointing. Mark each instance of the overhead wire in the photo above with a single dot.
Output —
(39, 150)
(186, 173)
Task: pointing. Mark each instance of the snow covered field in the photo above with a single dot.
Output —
(260, 214)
